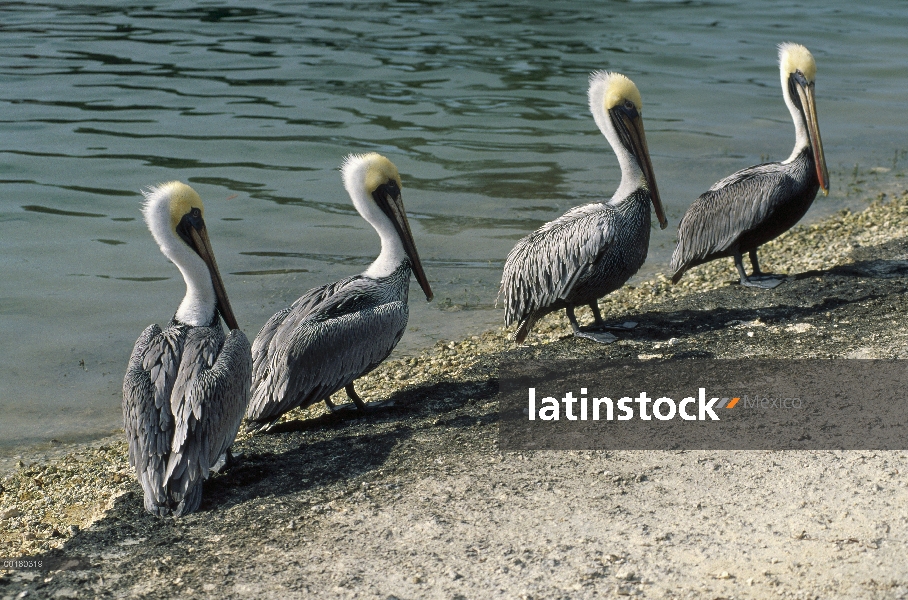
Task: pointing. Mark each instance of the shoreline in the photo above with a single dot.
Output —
(856, 186)
(15, 457)
(446, 411)
(883, 180)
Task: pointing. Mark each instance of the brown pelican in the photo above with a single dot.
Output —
(337, 333)
(753, 206)
(186, 386)
(593, 249)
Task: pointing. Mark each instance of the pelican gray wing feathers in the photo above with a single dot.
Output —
(361, 319)
(265, 343)
(743, 211)
(594, 249)
(208, 401)
(755, 205)
(146, 414)
(186, 386)
(335, 334)
(532, 282)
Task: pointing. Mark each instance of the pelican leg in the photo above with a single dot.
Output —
(334, 408)
(225, 461)
(760, 275)
(351, 392)
(600, 325)
(597, 315)
(600, 338)
(758, 279)
(362, 406)
(755, 263)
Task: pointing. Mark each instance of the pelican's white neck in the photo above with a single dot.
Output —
(199, 303)
(801, 138)
(631, 174)
(392, 248)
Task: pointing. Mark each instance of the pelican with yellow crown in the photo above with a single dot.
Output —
(755, 205)
(591, 250)
(187, 385)
(336, 333)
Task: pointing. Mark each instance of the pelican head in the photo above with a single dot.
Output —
(617, 108)
(174, 214)
(374, 185)
(798, 70)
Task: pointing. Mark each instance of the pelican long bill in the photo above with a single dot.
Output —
(629, 124)
(809, 109)
(393, 206)
(202, 246)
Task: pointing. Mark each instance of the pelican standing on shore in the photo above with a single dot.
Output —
(337, 333)
(591, 250)
(186, 386)
(755, 205)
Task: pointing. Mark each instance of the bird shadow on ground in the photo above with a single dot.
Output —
(798, 298)
(419, 400)
(306, 459)
(343, 445)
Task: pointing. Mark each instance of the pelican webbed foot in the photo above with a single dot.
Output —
(226, 461)
(358, 404)
(339, 408)
(256, 427)
(601, 325)
(758, 279)
(762, 282)
(594, 332)
(601, 337)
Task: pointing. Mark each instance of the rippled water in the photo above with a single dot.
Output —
(481, 105)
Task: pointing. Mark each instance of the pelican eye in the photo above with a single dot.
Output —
(191, 220)
(629, 105)
(392, 189)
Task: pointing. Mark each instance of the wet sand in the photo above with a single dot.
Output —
(417, 501)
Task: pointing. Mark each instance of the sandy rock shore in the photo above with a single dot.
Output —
(417, 501)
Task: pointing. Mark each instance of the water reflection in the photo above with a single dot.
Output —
(56, 211)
